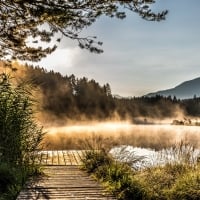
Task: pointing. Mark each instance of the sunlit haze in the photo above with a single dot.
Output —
(121, 133)
(91, 127)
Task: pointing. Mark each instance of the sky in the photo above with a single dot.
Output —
(139, 56)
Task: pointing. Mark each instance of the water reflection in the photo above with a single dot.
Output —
(112, 134)
(140, 158)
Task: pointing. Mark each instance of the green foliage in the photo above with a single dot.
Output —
(187, 187)
(92, 159)
(12, 179)
(7, 177)
(19, 135)
(41, 20)
(117, 177)
(20, 138)
(121, 182)
(172, 181)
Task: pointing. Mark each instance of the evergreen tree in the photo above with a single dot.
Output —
(107, 89)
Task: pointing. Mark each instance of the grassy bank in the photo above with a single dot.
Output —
(168, 182)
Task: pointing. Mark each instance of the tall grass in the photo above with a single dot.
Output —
(172, 181)
(117, 177)
(20, 137)
(180, 153)
(186, 186)
(179, 179)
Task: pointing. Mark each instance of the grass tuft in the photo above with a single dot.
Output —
(117, 177)
(186, 187)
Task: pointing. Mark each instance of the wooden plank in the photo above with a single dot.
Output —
(61, 157)
(64, 182)
(69, 156)
(64, 158)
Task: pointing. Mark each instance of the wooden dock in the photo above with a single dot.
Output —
(63, 180)
(61, 157)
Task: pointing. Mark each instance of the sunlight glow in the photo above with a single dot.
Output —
(64, 56)
(110, 134)
(94, 127)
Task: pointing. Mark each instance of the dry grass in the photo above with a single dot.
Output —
(179, 179)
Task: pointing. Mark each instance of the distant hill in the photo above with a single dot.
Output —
(185, 90)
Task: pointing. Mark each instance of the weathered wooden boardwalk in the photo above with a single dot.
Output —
(69, 157)
(63, 180)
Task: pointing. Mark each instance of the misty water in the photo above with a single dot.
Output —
(152, 142)
(153, 136)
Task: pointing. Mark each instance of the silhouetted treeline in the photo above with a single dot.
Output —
(154, 107)
(80, 98)
(71, 97)
(191, 106)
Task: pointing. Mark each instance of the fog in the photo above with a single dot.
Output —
(110, 134)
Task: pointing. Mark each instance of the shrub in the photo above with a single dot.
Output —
(19, 135)
(133, 189)
(94, 159)
(11, 181)
(7, 177)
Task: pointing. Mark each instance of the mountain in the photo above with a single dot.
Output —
(185, 90)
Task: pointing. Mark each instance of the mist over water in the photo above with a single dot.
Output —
(110, 134)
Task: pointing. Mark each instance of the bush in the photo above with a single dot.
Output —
(11, 181)
(19, 135)
(93, 159)
(7, 177)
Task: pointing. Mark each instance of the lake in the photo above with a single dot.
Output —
(110, 134)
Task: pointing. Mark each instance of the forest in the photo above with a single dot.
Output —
(81, 99)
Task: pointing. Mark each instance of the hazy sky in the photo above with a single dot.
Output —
(139, 56)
